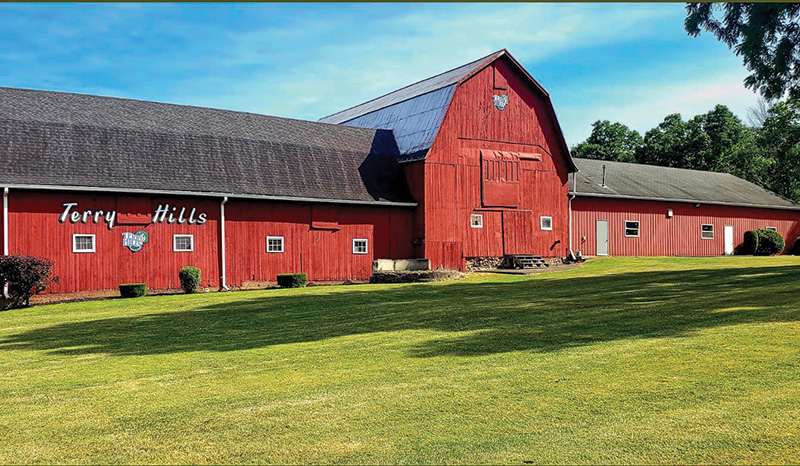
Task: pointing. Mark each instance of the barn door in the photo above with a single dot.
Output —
(517, 232)
(728, 240)
(602, 237)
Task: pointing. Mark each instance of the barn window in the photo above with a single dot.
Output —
(360, 246)
(546, 223)
(707, 231)
(476, 221)
(183, 243)
(274, 243)
(83, 243)
(772, 228)
(631, 229)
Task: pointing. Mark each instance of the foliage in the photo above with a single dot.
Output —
(292, 280)
(609, 141)
(132, 290)
(765, 35)
(672, 360)
(779, 141)
(769, 242)
(25, 276)
(763, 242)
(796, 248)
(190, 279)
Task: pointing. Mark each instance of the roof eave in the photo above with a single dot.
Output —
(686, 201)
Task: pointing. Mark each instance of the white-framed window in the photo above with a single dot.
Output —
(772, 228)
(707, 231)
(83, 243)
(274, 243)
(545, 223)
(360, 246)
(182, 243)
(631, 228)
(476, 221)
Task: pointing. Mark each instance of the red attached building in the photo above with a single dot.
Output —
(469, 163)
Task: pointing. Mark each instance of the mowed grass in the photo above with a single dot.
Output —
(640, 360)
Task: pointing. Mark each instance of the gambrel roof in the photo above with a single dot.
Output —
(651, 182)
(75, 140)
(415, 112)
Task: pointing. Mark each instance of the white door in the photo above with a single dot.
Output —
(728, 240)
(602, 237)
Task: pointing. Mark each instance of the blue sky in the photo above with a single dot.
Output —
(631, 63)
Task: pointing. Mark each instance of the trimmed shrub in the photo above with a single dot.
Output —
(292, 280)
(190, 279)
(132, 290)
(25, 277)
(750, 243)
(763, 242)
(770, 242)
(796, 248)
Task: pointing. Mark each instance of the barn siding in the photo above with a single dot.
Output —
(325, 254)
(452, 188)
(676, 236)
(34, 229)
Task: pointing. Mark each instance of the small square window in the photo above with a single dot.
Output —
(631, 229)
(183, 243)
(360, 246)
(83, 243)
(772, 228)
(707, 231)
(546, 223)
(274, 243)
(476, 221)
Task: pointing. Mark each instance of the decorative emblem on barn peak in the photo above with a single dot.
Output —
(135, 241)
(500, 101)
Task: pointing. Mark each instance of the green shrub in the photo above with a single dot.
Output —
(750, 243)
(796, 248)
(132, 290)
(190, 279)
(292, 280)
(25, 277)
(763, 242)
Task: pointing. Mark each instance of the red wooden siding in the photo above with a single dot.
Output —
(676, 236)
(454, 174)
(34, 229)
(318, 240)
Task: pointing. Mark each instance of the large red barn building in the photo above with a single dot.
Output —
(469, 163)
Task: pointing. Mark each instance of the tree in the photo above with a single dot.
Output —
(766, 35)
(779, 139)
(758, 113)
(609, 141)
(666, 144)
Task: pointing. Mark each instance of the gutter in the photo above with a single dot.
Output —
(685, 201)
(5, 234)
(211, 194)
(223, 285)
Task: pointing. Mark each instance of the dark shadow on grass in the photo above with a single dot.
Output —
(546, 314)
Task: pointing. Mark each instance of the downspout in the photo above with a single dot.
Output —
(570, 197)
(223, 285)
(5, 234)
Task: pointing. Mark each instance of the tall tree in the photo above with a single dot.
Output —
(666, 144)
(765, 35)
(779, 139)
(609, 141)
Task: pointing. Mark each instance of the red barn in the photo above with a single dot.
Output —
(627, 209)
(470, 163)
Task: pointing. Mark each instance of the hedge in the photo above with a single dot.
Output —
(763, 242)
(190, 279)
(133, 290)
(292, 280)
(25, 277)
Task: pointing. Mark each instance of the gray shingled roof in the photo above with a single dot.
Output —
(651, 182)
(74, 140)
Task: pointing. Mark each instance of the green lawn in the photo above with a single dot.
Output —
(668, 360)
